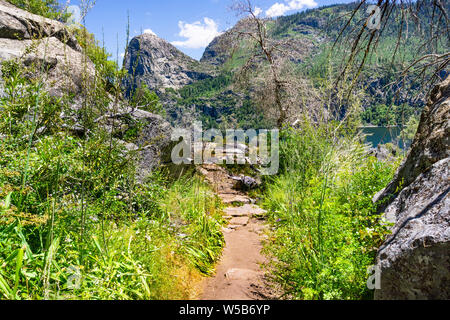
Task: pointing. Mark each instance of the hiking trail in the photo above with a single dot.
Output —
(239, 275)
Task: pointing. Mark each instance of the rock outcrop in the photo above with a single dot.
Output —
(415, 260)
(19, 24)
(46, 45)
(156, 63)
(151, 146)
(154, 142)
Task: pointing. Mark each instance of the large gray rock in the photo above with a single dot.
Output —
(415, 260)
(431, 143)
(156, 63)
(19, 24)
(47, 48)
(153, 146)
(154, 141)
(245, 183)
(62, 69)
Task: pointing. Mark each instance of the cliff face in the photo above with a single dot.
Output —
(415, 260)
(215, 54)
(156, 63)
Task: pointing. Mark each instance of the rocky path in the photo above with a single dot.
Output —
(238, 275)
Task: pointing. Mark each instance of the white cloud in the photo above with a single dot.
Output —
(279, 9)
(257, 11)
(149, 31)
(198, 34)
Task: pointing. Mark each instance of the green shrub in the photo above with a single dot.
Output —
(326, 230)
(51, 9)
(147, 100)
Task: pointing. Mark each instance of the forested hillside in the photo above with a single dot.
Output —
(311, 36)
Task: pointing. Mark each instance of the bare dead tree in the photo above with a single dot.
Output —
(274, 89)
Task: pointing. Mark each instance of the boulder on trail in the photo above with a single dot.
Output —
(245, 183)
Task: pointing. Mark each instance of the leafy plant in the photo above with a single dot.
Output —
(146, 100)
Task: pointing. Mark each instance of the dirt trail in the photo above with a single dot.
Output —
(238, 275)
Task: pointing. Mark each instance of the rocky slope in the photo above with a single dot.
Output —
(415, 261)
(214, 53)
(44, 44)
(218, 51)
(298, 43)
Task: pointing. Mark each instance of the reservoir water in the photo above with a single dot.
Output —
(383, 135)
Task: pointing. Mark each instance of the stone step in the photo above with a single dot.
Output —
(227, 230)
(247, 210)
(240, 221)
(233, 198)
(235, 212)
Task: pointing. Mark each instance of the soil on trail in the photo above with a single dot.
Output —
(239, 275)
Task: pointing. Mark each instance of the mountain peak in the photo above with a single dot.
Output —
(153, 61)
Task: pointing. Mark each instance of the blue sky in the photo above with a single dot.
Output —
(189, 25)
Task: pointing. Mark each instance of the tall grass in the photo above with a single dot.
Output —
(150, 240)
(326, 232)
(159, 254)
(198, 210)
